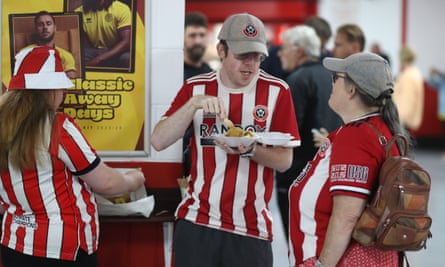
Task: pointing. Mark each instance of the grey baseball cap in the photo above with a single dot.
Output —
(244, 33)
(370, 72)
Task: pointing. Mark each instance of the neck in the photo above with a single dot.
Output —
(192, 63)
(359, 114)
(49, 44)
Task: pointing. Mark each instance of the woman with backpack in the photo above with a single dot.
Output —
(328, 197)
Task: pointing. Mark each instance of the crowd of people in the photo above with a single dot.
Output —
(329, 94)
(324, 176)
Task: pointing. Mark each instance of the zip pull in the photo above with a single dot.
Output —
(401, 197)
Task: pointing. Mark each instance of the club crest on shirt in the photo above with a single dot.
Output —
(323, 148)
(108, 17)
(260, 113)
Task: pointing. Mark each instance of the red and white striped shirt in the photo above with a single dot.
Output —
(228, 192)
(49, 211)
(348, 164)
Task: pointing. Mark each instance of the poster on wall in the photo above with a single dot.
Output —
(102, 47)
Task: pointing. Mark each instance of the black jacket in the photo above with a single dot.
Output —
(311, 86)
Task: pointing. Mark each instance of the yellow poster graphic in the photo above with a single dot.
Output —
(103, 52)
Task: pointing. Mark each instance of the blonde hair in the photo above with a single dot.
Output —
(24, 119)
(407, 54)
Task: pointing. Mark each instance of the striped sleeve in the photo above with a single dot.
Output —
(74, 150)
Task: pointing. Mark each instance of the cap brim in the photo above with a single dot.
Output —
(334, 64)
(242, 47)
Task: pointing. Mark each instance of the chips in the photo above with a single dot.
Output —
(125, 198)
(238, 132)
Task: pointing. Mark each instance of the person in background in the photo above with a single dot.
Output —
(195, 44)
(349, 39)
(437, 81)
(49, 171)
(107, 25)
(272, 63)
(323, 30)
(45, 30)
(409, 91)
(311, 85)
(375, 48)
(329, 196)
(225, 219)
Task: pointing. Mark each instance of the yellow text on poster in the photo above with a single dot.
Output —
(107, 103)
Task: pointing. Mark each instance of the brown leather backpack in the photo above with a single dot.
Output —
(397, 216)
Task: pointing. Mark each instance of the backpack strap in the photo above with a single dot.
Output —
(403, 259)
(387, 145)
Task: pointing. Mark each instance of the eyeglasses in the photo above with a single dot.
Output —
(257, 57)
(335, 77)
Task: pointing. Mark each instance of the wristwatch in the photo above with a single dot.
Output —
(249, 153)
(318, 263)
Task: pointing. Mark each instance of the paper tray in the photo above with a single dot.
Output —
(140, 204)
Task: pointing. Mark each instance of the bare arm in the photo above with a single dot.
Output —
(72, 74)
(346, 211)
(170, 129)
(278, 158)
(122, 46)
(108, 181)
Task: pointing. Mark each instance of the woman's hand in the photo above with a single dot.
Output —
(319, 136)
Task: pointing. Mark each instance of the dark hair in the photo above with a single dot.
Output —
(195, 19)
(224, 45)
(94, 5)
(353, 33)
(43, 13)
(320, 25)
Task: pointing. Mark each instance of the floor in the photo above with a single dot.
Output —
(434, 161)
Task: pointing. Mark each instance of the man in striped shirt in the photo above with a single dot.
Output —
(225, 220)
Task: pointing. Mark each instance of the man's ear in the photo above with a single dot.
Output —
(221, 51)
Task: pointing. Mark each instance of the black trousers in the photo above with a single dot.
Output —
(201, 246)
(12, 258)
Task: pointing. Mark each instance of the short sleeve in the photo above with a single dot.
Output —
(73, 148)
(123, 15)
(284, 118)
(355, 161)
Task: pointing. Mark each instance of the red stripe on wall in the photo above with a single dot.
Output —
(404, 21)
(157, 174)
(267, 10)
